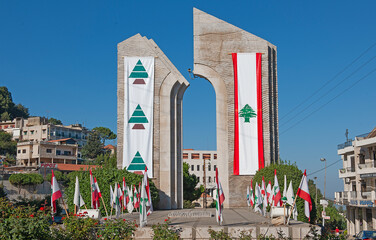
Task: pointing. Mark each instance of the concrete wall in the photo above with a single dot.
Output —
(214, 41)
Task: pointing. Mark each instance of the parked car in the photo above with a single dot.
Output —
(366, 235)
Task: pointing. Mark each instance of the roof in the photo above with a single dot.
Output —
(75, 167)
(372, 133)
(109, 146)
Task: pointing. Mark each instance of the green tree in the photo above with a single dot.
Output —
(105, 178)
(190, 191)
(93, 147)
(54, 121)
(8, 109)
(7, 145)
(26, 179)
(106, 160)
(105, 133)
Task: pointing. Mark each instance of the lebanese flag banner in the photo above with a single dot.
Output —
(219, 198)
(249, 143)
(269, 193)
(303, 192)
(252, 198)
(138, 114)
(276, 191)
(99, 195)
(147, 189)
(94, 192)
(55, 192)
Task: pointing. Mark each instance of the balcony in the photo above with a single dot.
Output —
(345, 144)
(366, 168)
(346, 172)
(354, 198)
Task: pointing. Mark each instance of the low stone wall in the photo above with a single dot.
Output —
(41, 191)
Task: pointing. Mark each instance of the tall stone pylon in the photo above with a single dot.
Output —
(214, 41)
(169, 87)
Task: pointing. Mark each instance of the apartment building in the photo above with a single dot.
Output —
(359, 178)
(196, 159)
(34, 153)
(38, 129)
(12, 127)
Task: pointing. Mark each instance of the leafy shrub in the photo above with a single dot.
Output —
(116, 229)
(60, 177)
(2, 192)
(78, 228)
(188, 204)
(218, 234)
(105, 178)
(26, 179)
(23, 222)
(163, 231)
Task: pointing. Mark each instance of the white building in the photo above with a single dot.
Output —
(359, 178)
(195, 159)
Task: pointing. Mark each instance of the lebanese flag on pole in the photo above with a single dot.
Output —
(249, 143)
(55, 192)
(303, 192)
(252, 198)
(99, 195)
(125, 194)
(220, 198)
(149, 206)
(269, 193)
(94, 192)
(135, 198)
(277, 191)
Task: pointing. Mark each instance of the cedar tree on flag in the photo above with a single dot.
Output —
(220, 198)
(276, 191)
(303, 192)
(147, 189)
(258, 200)
(252, 199)
(55, 192)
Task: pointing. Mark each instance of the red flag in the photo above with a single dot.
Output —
(55, 192)
(277, 191)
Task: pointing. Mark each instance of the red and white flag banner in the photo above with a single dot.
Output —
(249, 143)
(303, 192)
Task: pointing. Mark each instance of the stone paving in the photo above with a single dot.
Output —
(235, 221)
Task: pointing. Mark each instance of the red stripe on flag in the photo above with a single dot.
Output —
(259, 111)
(236, 131)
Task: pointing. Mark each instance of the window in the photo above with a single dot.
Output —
(48, 150)
(25, 132)
(185, 155)
(62, 134)
(209, 180)
(195, 156)
(209, 167)
(206, 156)
(44, 131)
(215, 167)
(198, 178)
(67, 153)
(19, 151)
(192, 167)
(70, 134)
(215, 156)
(23, 150)
(32, 132)
(58, 152)
(198, 167)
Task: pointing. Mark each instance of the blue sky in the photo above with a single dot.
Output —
(58, 58)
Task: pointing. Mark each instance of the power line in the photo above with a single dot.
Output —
(324, 167)
(345, 90)
(339, 73)
(351, 74)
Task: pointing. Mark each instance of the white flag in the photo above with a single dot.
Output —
(284, 187)
(143, 203)
(258, 200)
(290, 200)
(78, 200)
(248, 197)
(111, 197)
(130, 205)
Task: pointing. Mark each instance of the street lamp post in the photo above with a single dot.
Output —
(316, 189)
(324, 160)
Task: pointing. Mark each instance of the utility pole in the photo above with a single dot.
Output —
(324, 160)
(316, 188)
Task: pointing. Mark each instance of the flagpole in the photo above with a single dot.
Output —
(104, 206)
(85, 206)
(65, 207)
(293, 205)
(111, 211)
(75, 209)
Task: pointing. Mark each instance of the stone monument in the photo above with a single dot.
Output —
(214, 41)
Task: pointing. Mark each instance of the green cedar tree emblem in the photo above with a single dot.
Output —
(247, 112)
(138, 116)
(137, 163)
(139, 71)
